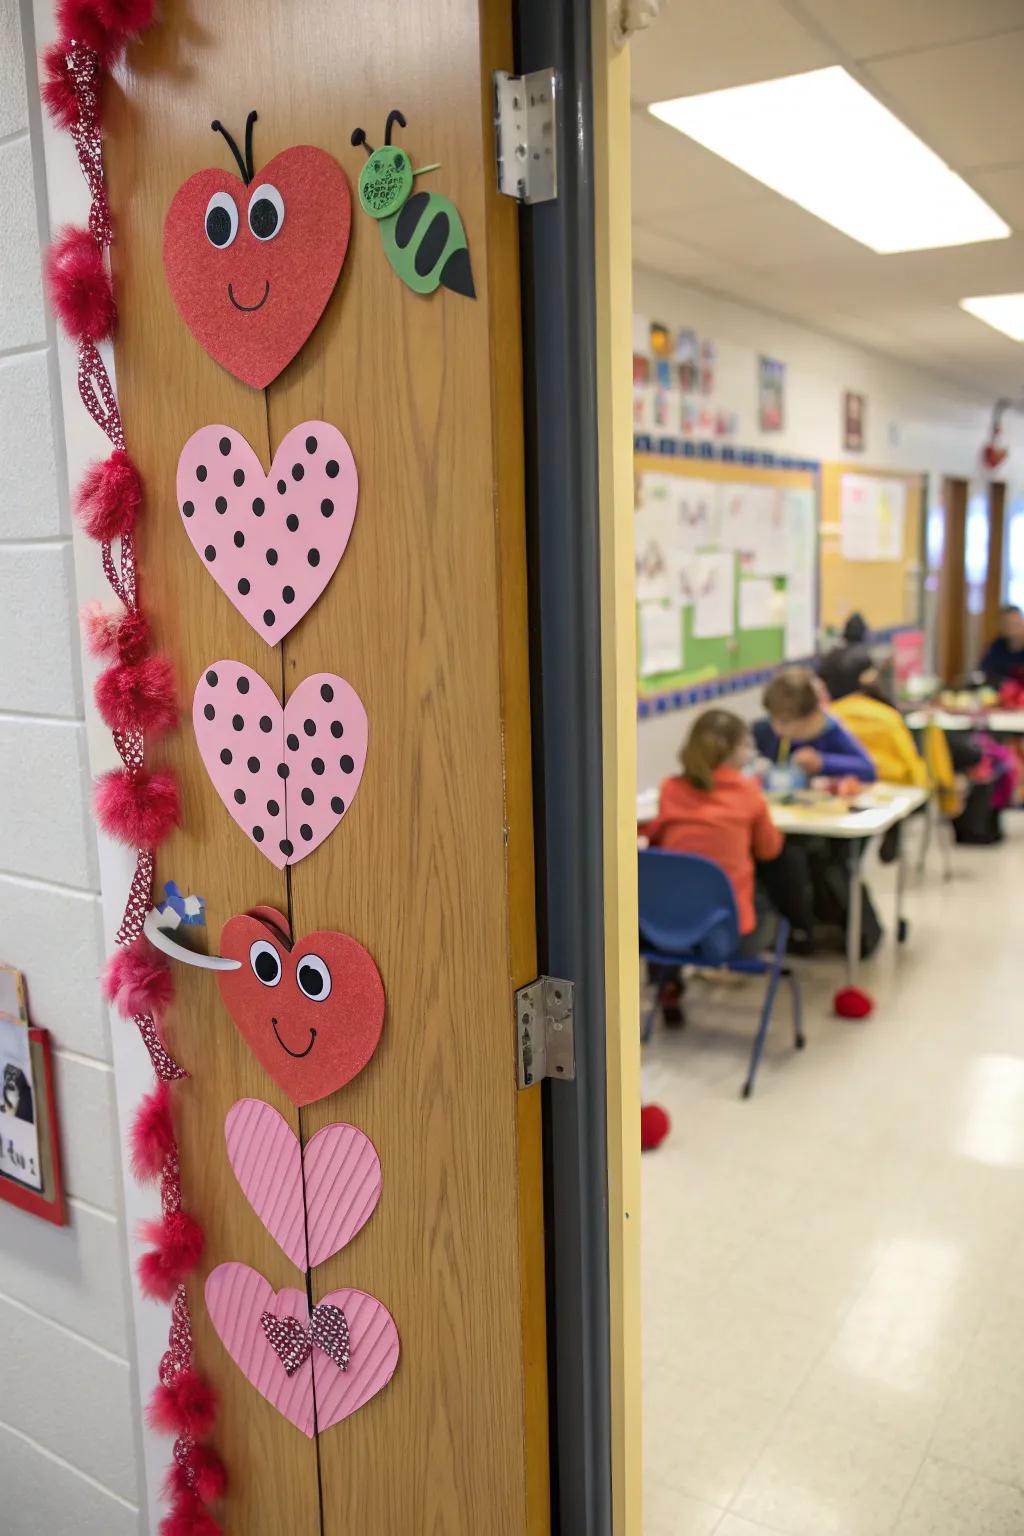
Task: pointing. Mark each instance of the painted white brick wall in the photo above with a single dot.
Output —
(68, 1451)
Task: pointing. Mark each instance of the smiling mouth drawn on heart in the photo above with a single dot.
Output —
(248, 308)
(298, 1055)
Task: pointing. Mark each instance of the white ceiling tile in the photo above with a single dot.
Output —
(1004, 189)
(661, 253)
(673, 172)
(766, 232)
(966, 101)
(703, 45)
(863, 28)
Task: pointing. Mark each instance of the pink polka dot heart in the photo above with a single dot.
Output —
(287, 776)
(271, 542)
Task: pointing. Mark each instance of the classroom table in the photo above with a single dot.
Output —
(1001, 722)
(877, 809)
(874, 813)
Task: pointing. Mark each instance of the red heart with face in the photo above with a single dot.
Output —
(311, 1013)
(251, 263)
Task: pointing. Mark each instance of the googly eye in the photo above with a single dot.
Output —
(266, 212)
(314, 978)
(221, 220)
(265, 962)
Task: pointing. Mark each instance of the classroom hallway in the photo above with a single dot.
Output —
(833, 1272)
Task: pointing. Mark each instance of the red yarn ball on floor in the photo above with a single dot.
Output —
(654, 1126)
(137, 979)
(853, 1003)
(178, 1240)
(58, 88)
(152, 1134)
(139, 811)
(108, 497)
(79, 286)
(140, 697)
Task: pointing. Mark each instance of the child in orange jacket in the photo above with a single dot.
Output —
(716, 810)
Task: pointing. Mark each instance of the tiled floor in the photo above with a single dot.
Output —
(834, 1270)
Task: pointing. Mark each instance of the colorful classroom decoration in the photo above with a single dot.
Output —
(311, 1011)
(308, 1366)
(30, 1172)
(872, 532)
(423, 235)
(313, 1199)
(135, 804)
(272, 541)
(251, 271)
(725, 570)
(286, 775)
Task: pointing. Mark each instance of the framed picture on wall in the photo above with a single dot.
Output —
(771, 394)
(855, 409)
(29, 1158)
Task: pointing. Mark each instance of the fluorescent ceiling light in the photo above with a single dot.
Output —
(827, 144)
(1003, 311)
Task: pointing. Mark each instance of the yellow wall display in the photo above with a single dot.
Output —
(886, 589)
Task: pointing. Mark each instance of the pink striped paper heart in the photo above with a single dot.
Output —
(342, 1180)
(286, 776)
(319, 1393)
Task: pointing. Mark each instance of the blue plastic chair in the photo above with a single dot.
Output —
(688, 916)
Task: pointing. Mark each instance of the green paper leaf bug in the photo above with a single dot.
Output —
(423, 236)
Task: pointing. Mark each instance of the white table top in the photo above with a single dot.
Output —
(880, 807)
(883, 806)
(1010, 722)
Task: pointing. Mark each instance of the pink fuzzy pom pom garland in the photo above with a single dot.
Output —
(135, 695)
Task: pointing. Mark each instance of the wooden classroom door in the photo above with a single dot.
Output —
(432, 867)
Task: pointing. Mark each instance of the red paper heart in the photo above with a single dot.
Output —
(251, 303)
(311, 1045)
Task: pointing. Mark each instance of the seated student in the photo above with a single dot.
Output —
(850, 654)
(798, 730)
(716, 810)
(858, 702)
(1004, 660)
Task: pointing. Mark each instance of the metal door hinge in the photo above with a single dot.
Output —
(545, 1029)
(524, 134)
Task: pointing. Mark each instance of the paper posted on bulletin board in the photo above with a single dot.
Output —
(725, 576)
(872, 515)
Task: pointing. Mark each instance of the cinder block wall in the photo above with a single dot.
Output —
(67, 1446)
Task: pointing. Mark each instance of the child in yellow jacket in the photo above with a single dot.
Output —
(881, 730)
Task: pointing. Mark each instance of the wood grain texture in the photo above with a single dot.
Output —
(951, 617)
(432, 868)
(886, 592)
(994, 569)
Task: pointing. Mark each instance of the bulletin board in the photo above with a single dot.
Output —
(887, 591)
(789, 608)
